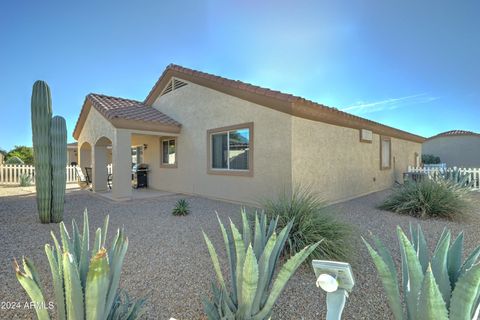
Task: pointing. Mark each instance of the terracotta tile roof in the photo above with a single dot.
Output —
(292, 104)
(455, 133)
(114, 107)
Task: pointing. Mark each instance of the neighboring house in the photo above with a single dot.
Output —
(207, 135)
(72, 150)
(456, 148)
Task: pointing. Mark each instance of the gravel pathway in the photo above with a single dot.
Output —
(167, 261)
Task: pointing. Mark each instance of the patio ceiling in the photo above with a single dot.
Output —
(126, 114)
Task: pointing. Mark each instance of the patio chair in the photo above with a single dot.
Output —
(83, 181)
(109, 180)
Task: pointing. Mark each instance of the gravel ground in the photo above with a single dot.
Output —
(167, 261)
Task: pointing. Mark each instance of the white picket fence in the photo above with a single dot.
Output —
(473, 172)
(10, 173)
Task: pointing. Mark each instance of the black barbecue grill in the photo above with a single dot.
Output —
(140, 175)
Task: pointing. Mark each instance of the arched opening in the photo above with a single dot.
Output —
(85, 155)
(102, 161)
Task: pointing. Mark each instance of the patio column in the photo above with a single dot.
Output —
(122, 165)
(99, 168)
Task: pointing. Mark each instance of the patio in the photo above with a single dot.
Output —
(168, 263)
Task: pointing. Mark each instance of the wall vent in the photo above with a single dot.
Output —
(174, 84)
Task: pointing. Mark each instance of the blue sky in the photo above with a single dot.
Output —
(411, 65)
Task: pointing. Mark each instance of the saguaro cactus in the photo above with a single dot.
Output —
(41, 118)
(58, 147)
(50, 151)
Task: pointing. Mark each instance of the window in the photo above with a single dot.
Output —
(168, 152)
(385, 153)
(231, 150)
(137, 155)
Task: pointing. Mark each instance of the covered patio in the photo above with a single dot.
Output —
(119, 133)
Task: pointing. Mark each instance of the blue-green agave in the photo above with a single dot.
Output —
(252, 257)
(85, 280)
(436, 288)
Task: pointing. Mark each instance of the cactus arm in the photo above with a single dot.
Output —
(41, 114)
(58, 149)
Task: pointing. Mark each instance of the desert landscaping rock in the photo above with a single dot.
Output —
(168, 263)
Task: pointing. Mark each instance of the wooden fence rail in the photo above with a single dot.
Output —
(474, 173)
(10, 173)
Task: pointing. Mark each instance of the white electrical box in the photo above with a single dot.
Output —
(341, 270)
(366, 135)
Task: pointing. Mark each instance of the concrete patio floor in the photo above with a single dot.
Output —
(137, 194)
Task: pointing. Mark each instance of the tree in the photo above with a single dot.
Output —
(22, 152)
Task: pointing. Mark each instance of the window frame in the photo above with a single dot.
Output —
(382, 139)
(168, 165)
(231, 172)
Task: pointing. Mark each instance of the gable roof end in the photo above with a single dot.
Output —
(283, 102)
(125, 113)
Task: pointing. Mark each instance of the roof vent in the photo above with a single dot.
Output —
(174, 84)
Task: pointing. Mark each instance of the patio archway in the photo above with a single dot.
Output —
(101, 159)
(85, 155)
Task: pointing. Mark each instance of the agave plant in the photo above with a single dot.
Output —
(252, 257)
(85, 281)
(182, 208)
(455, 177)
(25, 180)
(442, 287)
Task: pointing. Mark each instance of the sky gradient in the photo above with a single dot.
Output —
(414, 66)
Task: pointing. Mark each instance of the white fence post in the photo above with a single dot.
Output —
(474, 173)
(10, 173)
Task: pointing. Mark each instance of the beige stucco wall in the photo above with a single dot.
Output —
(459, 151)
(96, 127)
(199, 109)
(333, 162)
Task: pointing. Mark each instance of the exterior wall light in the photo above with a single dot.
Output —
(336, 279)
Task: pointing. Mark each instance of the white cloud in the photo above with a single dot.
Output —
(362, 107)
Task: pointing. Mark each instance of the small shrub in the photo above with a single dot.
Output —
(252, 259)
(182, 208)
(430, 159)
(25, 180)
(429, 198)
(312, 222)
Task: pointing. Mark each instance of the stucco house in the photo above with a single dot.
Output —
(456, 148)
(207, 135)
